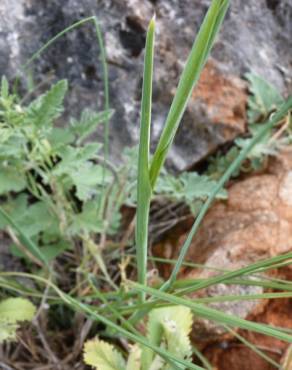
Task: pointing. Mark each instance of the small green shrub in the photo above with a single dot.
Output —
(55, 184)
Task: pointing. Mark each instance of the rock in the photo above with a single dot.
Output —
(206, 331)
(255, 37)
(253, 224)
(232, 354)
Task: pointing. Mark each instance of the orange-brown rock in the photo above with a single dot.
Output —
(223, 98)
(253, 224)
(232, 354)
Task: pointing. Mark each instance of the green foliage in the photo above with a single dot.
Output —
(46, 171)
(88, 122)
(10, 181)
(167, 328)
(13, 311)
(56, 186)
(148, 172)
(66, 195)
(189, 188)
(195, 63)
(263, 100)
(47, 107)
(102, 355)
(218, 164)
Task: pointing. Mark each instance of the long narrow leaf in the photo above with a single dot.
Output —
(250, 269)
(234, 165)
(93, 314)
(143, 186)
(189, 78)
(213, 314)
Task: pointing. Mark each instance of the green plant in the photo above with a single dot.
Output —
(51, 180)
(263, 101)
(80, 203)
(149, 172)
(264, 98)
(56, 186)
(13, 311)
(189, 187)
(168, 328)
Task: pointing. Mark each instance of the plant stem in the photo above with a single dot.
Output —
(143, 186)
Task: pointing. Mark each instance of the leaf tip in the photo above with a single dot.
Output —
(152, 21)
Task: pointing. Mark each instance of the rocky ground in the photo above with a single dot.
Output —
(256, 220)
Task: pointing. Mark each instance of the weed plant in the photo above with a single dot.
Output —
(61, 198)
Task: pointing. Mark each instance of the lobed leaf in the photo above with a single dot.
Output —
(172, 326)
(10, 180)
(102, 355)
(264, 99)
(88, 122)
(48, 106)
(12, 312)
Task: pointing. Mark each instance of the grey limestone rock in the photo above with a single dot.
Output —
(256, 36)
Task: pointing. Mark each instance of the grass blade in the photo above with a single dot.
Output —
(93, 314)
(190, 75)
(254, 348)
(240, 272)
(213, 314)
(143, 186)
(235, 164)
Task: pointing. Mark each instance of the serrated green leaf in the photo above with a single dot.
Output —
(88, 220)
(265, 98)
(37, 218)
(102, 355)
(219, 164)
(73, 158)
(17, 309)
(177, 326)
(261, 150)
(32, 219)
(7, 330)
(87, 178)
(172, 326)
(13, 311)
(47, 107)
(157, 364)
(11, 180)
(88, 122)
(50, 252)
(189, 187)
(60, 137)
(12, 145)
